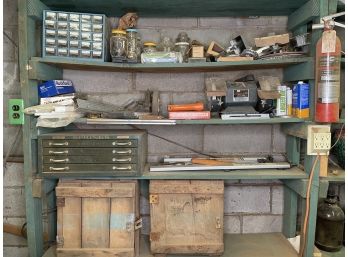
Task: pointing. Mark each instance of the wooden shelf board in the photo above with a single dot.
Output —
(214, 121)
(282, 174)
(180, 8)
(236, 245)
(339, 178)
(78, 64)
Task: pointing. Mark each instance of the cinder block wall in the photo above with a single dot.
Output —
(250, 206)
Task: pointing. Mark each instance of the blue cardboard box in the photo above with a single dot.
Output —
(56, 87)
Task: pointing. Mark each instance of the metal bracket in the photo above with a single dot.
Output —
(138, 224)
(37, 188)
(153, 199)
(218, 222)
(60, 241)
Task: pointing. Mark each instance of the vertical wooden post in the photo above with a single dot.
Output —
(290, 212)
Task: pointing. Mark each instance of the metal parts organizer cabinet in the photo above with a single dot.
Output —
(34, 69)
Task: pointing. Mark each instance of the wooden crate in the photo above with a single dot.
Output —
(97, 218)
(186, 217)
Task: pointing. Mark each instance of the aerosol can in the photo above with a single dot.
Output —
(328, 68)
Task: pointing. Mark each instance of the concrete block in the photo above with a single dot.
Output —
(247, 199)
(14, 202)
(233, 75)
(277, 199)
(262, 224)
(165, 99)
(11, 78)
(9, 135)
(145, 230)
(99, 82)
(183, 98)
(10, 44)
(10, 14)
(279, 21)
(279, 139)
(144, 205)
(190, 136)
(232, 224)
(12, 240)
(237, 139)
(170, 82)
(115, 99)
(233, 22)
(16, 251)
(342, 196)
(14, 175)
(181, 23)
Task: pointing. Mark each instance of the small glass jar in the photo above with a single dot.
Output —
(118, 44)
(132, 35)
(149, 47)
(183, 48)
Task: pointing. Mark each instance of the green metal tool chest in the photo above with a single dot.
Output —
(93, 153)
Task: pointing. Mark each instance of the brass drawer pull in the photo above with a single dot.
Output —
(122, 168)
(62, 160)
(121, 160)
(58, 152)
(122, 152)
(58, 144)
(121, 144)
(59, 169)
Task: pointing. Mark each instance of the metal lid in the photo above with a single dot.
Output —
(150, 44)
(182, 43)
(118, 31)
(131, 30)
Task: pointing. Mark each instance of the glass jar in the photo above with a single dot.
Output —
(118, 44)
(183, 48)
(149, 47)
(132, 38)
(166, 44)
(182, 37)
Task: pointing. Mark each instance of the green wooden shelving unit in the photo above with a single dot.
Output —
(34, 68)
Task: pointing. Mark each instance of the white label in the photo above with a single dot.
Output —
(328, 42)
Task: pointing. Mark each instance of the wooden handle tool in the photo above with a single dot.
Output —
(199, 106)
(209, 162)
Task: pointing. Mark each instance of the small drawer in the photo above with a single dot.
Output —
(90, 168)
(62, 25)
(51, 16)
(62, 33)
(74, 26)
(62, 52)
(49, 24)
(74, 52)
(74, 17)
(91, 159)
(90, 143)
(63, 16)
(86, 18)
(90, 151)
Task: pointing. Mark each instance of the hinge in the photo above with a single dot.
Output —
(60, 242)
(153, 198)
(60, 201)
(28, 67)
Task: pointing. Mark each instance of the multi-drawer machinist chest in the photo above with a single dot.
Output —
(93, 153)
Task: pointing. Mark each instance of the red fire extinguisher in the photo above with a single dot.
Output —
(328, 69)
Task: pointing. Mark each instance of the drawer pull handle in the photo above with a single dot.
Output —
(121, 160)
(62, 160)
(122, 168)
(122, 152)
(58, 144)
(121, 144)
(58, 152)
(59, 169)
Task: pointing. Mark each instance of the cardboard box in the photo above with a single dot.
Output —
(197, 51)
(194, 115)
(56, 87)
(234, 58)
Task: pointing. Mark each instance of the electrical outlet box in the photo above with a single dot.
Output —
(15, 111)
(318, 140)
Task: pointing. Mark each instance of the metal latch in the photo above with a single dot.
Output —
(218, 222)
(60, 202)
(153, 198)
(138, 224)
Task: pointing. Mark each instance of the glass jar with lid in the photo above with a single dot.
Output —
(132, 38)
(118, 45)
(183, 48)
(149, 47)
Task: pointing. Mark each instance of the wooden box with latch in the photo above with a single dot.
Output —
(98, 218)
(186, 217)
